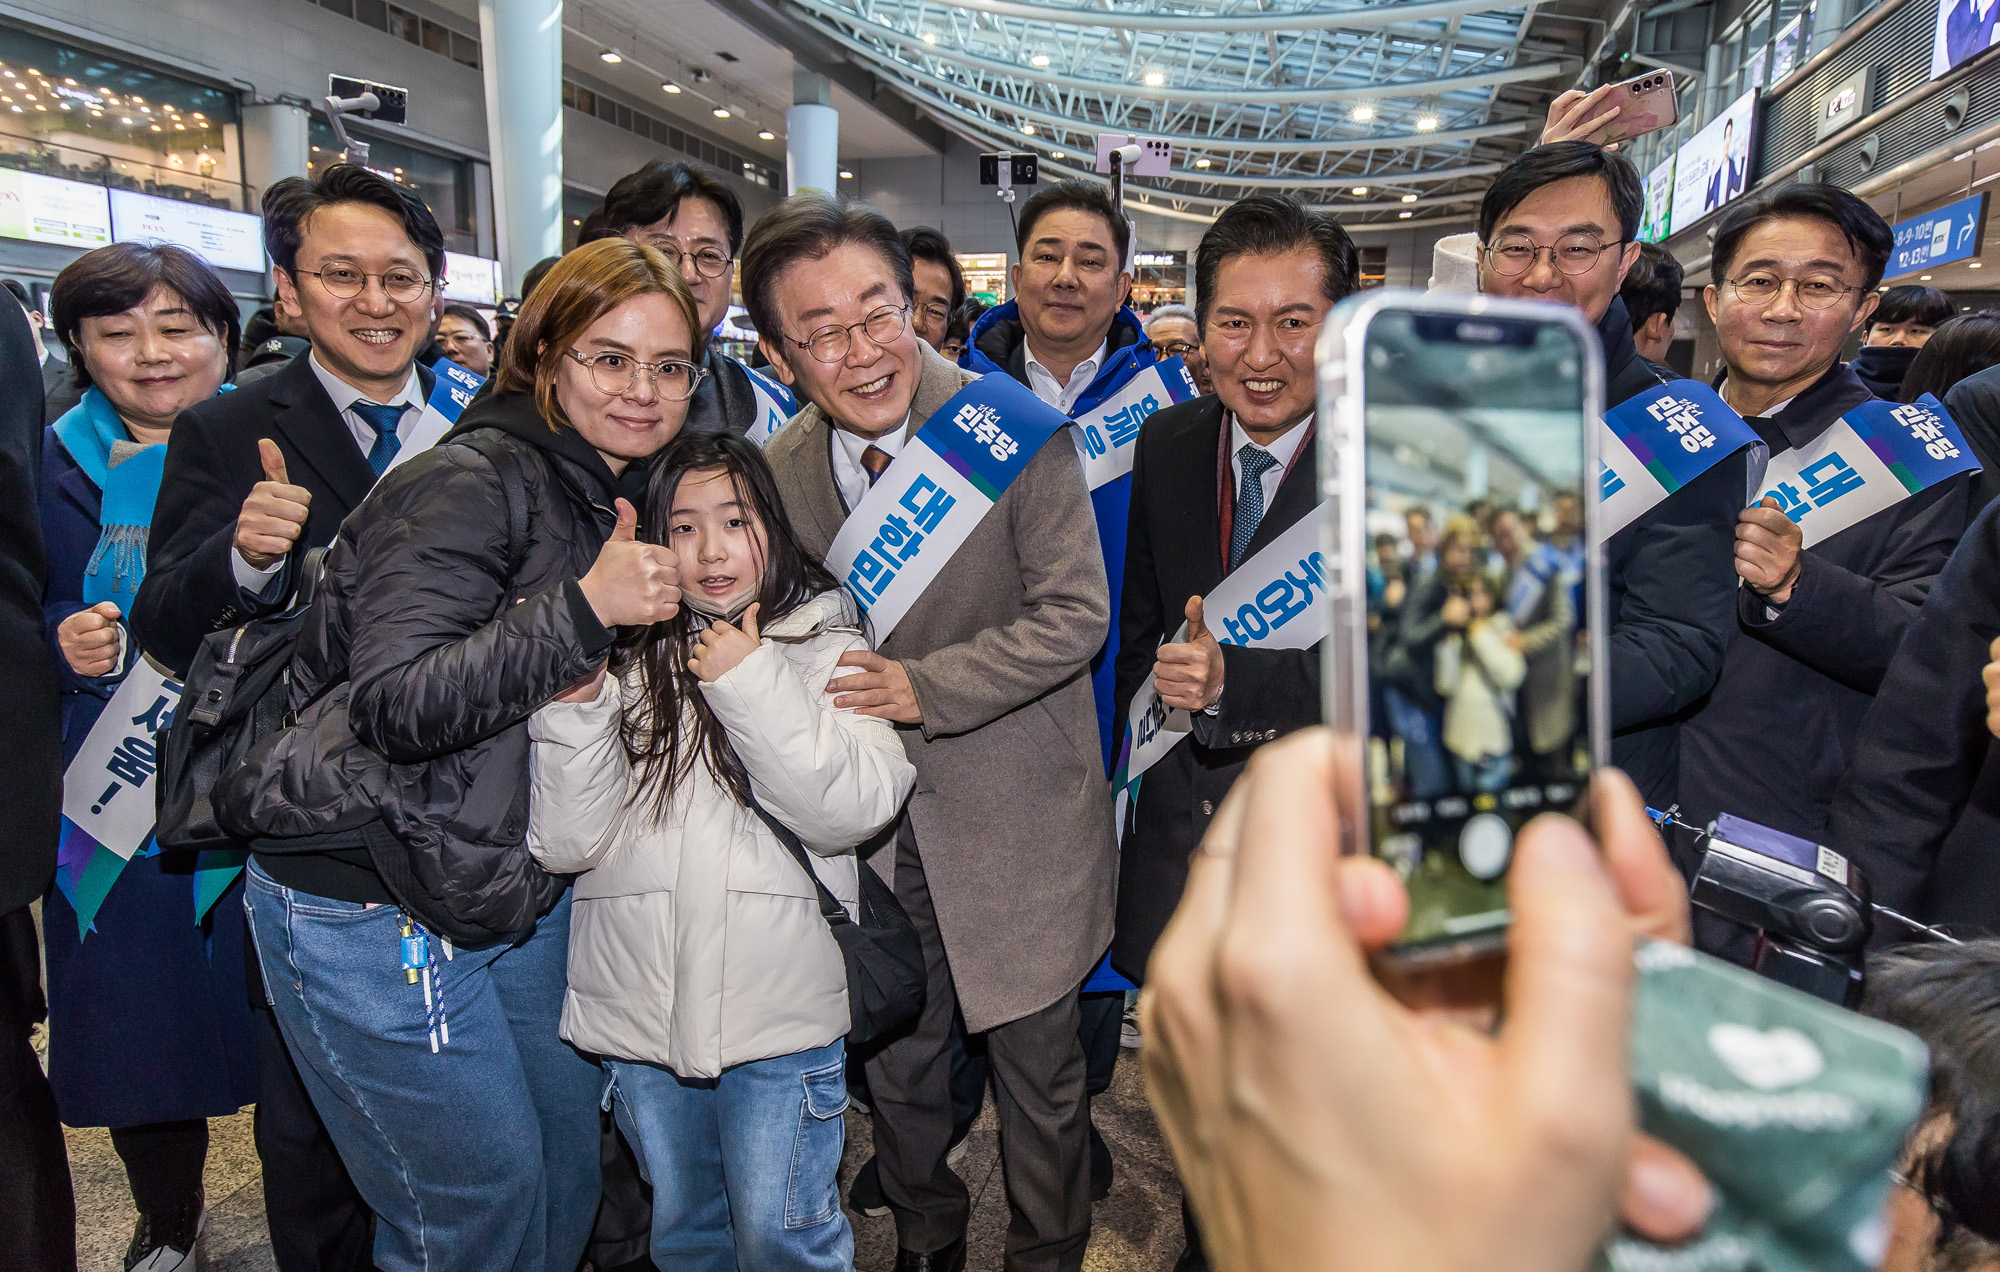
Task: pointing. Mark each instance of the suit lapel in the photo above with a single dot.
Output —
(306, 417)
(820, 494)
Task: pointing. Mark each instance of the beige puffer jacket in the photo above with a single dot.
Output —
(696, 941)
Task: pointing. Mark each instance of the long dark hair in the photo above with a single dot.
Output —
(1959, 347)
(674, 724)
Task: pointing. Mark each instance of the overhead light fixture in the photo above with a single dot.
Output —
(845, 175)
(1427, 123)
(612, 56)
(1057, 154)
(765, 134)
(1027, 130)
(1153, 79)
(930, 37)
(1409, 198)
(1360, 190)
(1201, 163)
(720, 112)
(1975, 264)
(670, 87)
(1361, 113)
(1923, 278)
(1039, 59)
(1404, 216)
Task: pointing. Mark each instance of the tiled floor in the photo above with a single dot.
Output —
(1137, 1228)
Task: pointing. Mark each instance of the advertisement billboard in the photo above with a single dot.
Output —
(472, 279)
(1714, 166)
(50, 210)
(1965, 28)
(1659, 218)
(1950, 233)
(225, 239)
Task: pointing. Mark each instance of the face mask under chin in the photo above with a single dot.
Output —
(706, 613)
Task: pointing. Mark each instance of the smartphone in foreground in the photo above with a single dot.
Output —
(1646, 103)
(1460, 456)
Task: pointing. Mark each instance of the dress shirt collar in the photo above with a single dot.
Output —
(345, 395)
(1071, 389)
(1283, 449)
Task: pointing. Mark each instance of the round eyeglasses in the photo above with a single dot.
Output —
(1759, 289)
(831, 343)
(345, 282)
(616, 373)
(1515, 254)
(708, 262)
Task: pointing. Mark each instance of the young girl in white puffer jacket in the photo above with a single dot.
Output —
(700, 966)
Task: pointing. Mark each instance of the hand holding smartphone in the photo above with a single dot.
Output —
(1612, 113)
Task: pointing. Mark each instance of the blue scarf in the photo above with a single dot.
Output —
(128, 474)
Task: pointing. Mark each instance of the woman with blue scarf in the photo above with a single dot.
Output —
(149, 1025)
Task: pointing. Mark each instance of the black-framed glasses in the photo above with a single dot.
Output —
(1174, 348)
(402, 285)
(830, 343)
(1515, 254)
(708, 262)
(616, 373)
(1758, 289)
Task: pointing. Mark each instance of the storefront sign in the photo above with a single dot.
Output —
(1844, 103)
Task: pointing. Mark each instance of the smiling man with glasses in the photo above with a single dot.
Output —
(1795, 274)
(1561, 223)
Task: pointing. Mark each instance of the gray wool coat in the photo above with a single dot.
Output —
(1012, 812)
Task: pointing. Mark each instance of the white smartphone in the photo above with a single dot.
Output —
(1459, 453)
(1646, 103)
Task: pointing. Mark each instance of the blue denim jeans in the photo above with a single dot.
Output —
(742, 1165)
(1421, 729)
(483, 1155)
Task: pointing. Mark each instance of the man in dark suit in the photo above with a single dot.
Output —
(1214, 480)
(273, 467)
(37, 1209)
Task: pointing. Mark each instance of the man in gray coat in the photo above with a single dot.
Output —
(1006, 859)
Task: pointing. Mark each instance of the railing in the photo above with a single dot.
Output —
(74, 163)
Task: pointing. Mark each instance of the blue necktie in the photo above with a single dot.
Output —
(383, 419)
(1256, 461)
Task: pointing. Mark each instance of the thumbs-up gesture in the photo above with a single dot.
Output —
(1992, 678)
(1189, 674)
(274, 514)
(632, 583)
(722, 646)
(1769, 550)
(89, 640)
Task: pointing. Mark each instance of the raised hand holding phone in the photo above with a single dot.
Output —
(632, 583)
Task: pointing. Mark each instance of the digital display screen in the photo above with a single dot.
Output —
(50, 210)
(472, 279)
(1714, 166)
(225, 239)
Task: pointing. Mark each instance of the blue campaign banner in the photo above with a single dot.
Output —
(1918, 441)
(1951, 233)
(454, 388)
(990, 429)
(1678, 430)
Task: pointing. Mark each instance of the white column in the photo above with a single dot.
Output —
(521, 60)
(274, 145)
(812, 136)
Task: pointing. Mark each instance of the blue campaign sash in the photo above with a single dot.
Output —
(775, 405)
(1107, 432)
(916, 516)
(450, 395)
(1658, 441)
(1870, 459)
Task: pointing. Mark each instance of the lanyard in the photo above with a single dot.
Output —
(1225, 488)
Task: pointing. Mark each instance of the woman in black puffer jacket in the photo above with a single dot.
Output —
(480, 580)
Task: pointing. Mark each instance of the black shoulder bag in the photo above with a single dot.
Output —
(884, 957)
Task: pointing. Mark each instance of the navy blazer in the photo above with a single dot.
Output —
(212, 463)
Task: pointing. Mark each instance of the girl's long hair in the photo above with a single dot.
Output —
(673, 724)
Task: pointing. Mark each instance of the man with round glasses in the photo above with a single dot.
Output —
(1795, 274)
(697, 221)
(988, 675)
(1561, 223)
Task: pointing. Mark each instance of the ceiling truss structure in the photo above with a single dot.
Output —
(1375, 111)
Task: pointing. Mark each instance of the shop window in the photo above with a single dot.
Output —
(437, 39)
(1374, 266)
(465, 50)
(345, 8)
(374, 13)
(443, 182)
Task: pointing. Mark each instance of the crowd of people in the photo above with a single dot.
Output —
(542, 935)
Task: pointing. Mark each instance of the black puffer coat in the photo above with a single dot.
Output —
(447, 651)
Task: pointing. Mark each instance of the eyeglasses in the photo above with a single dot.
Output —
(1173, 348)
(934, 315)
(1572, 253)
(617, 373)
(708, 262)
(1760, 289)
(831, 343)
(346, 282)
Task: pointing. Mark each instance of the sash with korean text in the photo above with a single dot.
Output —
(949, 476)
(1107, 434)
(1872, 458)
(1655, 442)
(1274, 600)
(450, 395)
(775, 405)
(108, 808)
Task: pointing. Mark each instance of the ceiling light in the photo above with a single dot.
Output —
(720, 112)
(845, 175)
(930, 37)
(1056, 154)
(1883, 287)
(1039, 59)
(1426, 123)
(1153, 79)
(1975, 264)
(612, 56)
(765, 134)
(1404, 216)
(1027, 130)
(670, 87)
(1409, 198)
(1923, 278)
(1201, 163)
(1362, 113)
(1360, 190)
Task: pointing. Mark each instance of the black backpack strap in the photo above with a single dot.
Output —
(515, 487)
(830, 907)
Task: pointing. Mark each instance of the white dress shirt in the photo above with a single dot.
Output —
(848, 474)
(1282, 450)
(1062, 394)
(344, 395)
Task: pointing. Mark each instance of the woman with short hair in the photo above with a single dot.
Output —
(149, 1027)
